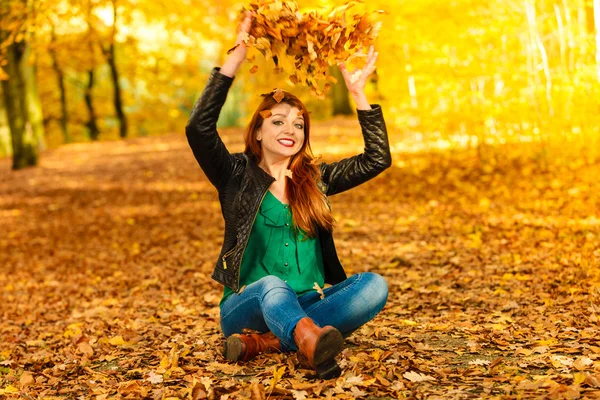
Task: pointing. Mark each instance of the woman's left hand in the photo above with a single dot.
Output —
(356, 80)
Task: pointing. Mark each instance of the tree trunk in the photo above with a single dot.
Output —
(60, 78)
(22, 107)
(117, 91)
(339, 94)
(91, 124)
(5, 147)
(114, 72)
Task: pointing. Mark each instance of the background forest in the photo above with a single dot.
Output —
(450, 74)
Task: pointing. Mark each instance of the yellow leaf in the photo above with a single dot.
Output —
(376, 354)
(578, 378)
(9, 389)
(277, 375)
(118, 341)
(408, 322)
(73, 330)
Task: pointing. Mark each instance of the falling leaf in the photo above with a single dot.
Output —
(254, 69)
(278, 95)
(304, 45)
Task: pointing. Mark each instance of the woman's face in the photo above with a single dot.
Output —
(282, 134)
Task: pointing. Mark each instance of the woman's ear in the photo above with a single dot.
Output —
(258, 135)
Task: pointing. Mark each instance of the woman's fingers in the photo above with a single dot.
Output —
(247, 22)
(358, 77)
(370, 67)
(344, 72)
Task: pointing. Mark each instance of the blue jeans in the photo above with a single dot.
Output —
(269, 304)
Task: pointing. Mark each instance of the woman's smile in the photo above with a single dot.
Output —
(287, 142)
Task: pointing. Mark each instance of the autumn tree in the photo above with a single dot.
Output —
(109, 54)
(91, 124)
(340, 98)
(5, 147)
(21, 99)
(60, 82)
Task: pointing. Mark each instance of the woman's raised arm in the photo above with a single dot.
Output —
(350, 172)
(201, 129)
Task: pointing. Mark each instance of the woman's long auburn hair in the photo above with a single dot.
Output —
(309, 205)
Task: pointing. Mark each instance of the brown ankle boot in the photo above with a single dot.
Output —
(317, 347)
(247, 346)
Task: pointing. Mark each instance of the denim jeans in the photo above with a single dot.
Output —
(269, 304)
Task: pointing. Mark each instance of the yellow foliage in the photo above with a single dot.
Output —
(304, 44)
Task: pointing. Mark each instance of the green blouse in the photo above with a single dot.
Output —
(274, 249)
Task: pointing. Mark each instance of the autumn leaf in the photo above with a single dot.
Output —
(319, 290)
(258, 391)
(154, 378)
(299, 394)
(304, 45)
(417, 377)
(582, 363)
(118, 341)
(26, 379)
(277, 375)
(9, 390)
(450, 309)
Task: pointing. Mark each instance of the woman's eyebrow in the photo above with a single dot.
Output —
(284, 115)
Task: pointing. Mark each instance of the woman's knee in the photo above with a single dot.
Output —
(375, 289)
(273, 285)
(272, 281)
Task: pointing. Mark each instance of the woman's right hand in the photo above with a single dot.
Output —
(237, 54)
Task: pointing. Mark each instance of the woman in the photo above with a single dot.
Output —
(278, 249)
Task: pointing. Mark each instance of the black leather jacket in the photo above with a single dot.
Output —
(242, 184)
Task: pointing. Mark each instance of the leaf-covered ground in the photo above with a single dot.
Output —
(106, 251)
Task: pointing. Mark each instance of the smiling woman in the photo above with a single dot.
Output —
(278, 250)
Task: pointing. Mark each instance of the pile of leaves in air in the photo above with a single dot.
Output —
(305, 44)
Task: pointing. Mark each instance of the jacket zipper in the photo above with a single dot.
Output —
(225, 255)
(248, 238)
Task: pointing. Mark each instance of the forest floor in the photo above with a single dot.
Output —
(106, 251)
